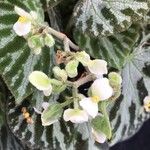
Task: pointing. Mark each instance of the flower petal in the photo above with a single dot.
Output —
(40, 80)
(100, 137)
(22, 29)
(48, 91)
(47, 123)
(102, 88)
(147, 103)
(89, 106)
(75, 115)
(98, 67)
(22, 12)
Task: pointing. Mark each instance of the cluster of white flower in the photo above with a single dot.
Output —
(85, 108)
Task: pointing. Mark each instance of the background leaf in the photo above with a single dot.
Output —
(127, 114)
(61, 135)
(105, 17)
(16, 60)
(113, 49)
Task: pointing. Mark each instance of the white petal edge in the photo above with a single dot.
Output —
(146, 100)
(22, 12)
(37, 77)
(100, 137)
(102, 88)
(98, 67)
(89, 106)
(48, 92)
(22, 29)
(76, 117)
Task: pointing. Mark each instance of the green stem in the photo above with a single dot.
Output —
(74, 94)
(66, 103)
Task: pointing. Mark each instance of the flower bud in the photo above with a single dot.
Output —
(60, 73)
(36, 43)
(49, 40)
(115, 79)
(71, 68)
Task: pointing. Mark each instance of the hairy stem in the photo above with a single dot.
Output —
(61, 36)
(84, 80)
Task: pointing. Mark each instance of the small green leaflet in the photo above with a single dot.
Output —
(106, 17)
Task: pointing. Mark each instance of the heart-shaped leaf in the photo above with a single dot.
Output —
(127, 114)
(105, 17)
(16, 60)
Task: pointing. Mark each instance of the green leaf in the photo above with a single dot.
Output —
(127, 113)
(16, 60)
(113, 49)
(51, 114)
(105, 17)
(101, 123)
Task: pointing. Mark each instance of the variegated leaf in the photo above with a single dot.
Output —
(113, 49)
(60, 135)
(105, 17)
(16, 60)
(127, 114)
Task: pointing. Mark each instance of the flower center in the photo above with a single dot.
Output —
(95, 99)
(147, 105)
(23, 19)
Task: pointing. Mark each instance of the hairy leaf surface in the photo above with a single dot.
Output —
(105, 17)
(17, 61)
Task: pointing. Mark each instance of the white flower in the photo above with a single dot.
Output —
(41, 81)
(75, 115)
(147, 103)
(23, 25)
(90, 105)
(102, 89)
(100, 137)
(98, 67)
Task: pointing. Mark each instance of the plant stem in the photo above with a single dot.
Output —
(61, 36)
(84, 80)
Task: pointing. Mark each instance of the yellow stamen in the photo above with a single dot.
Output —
(23, 19)
(95, 99)
(147, 107)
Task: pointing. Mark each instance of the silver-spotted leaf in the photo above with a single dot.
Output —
(105, 17)
(16, 59)
(113, 49)
(127, 114)
(61, 135)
